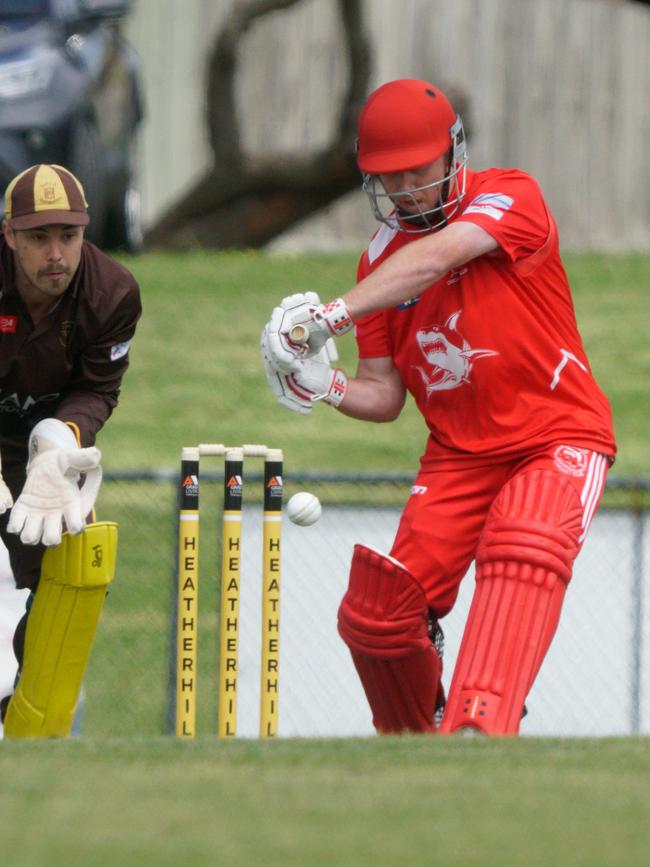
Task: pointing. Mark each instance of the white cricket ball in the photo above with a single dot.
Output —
(304, 509)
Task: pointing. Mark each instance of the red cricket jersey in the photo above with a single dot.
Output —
(491, 352)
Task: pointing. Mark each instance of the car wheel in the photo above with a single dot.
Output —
(87, 164)
(124, 222)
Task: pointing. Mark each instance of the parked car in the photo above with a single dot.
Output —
(71, 93)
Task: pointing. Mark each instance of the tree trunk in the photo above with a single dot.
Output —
(243, 202)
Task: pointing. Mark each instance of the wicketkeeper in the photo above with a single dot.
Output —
(68, 314)
(461, 300)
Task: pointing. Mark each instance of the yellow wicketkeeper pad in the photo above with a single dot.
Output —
(60, 630)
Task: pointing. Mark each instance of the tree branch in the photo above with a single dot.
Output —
(243, 201)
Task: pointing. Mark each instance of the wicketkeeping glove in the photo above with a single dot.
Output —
(322, 322)
(51, 494)
(6, 500)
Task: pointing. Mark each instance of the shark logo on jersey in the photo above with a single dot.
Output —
(449, 355)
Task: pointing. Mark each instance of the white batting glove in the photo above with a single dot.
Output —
(332, 319)
(314, 380)
(292, 310)
(51, 494)
(6, 500)
(322, 322)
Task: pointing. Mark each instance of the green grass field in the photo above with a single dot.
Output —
(122, 794)
(391, 802)
(196, 374)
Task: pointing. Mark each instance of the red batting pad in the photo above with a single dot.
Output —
(524, 563)
(512, 620)
(402, 693)
(383, 620)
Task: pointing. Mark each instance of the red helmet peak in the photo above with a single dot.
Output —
(404, 124)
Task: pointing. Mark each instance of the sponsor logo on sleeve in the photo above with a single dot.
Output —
(492, 205)
(8, 324)
(119, 350)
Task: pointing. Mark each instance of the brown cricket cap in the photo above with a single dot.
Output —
(44, 195)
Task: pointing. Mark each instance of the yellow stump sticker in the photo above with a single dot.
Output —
(270, 663)
(187, 601)
(230, 589)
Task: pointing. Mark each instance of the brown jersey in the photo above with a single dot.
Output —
(70, 364)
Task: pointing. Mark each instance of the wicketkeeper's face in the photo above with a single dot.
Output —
(46, 258)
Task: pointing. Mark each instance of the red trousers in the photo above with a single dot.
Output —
(443, 519)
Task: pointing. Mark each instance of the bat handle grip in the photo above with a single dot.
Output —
(299, 334)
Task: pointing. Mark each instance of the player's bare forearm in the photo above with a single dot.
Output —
(417, 265)
(376, 393)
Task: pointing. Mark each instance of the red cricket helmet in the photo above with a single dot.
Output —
(403, 125)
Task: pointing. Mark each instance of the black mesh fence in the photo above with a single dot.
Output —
(129, 684)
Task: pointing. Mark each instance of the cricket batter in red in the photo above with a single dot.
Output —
(463, 301)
